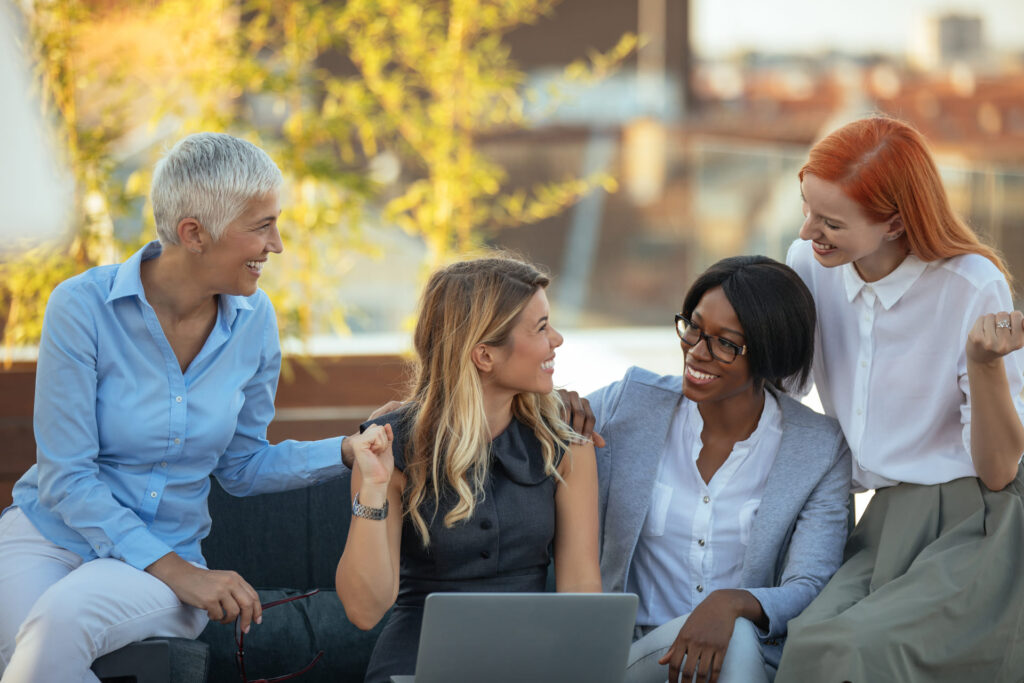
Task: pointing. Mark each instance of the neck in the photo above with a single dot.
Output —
(886, 259)
(735, 417)
(172, 287)
(497, 410)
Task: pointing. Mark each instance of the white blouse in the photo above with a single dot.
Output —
(890, 362)
(695, 534)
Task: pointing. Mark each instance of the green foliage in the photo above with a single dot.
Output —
(323, 86)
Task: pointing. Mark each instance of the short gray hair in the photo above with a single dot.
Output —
(210, 177)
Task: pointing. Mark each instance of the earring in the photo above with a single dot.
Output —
(893, 238)
(195, 250)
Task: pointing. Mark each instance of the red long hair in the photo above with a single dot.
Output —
(884, 165)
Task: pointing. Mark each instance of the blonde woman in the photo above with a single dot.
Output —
(469, 485)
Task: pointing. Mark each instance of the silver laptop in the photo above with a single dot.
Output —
(524, 638)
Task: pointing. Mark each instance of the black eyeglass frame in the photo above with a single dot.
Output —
(240, 642)
(682, 320)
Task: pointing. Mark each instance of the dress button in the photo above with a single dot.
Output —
(177, 399)
(701, 542)
(485, 554)
(707, 499)
(700, 588)
(486, 524)
(152, 494)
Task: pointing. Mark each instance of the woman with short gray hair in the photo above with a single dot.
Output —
(153, 374)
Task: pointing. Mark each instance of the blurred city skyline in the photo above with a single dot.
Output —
(721, 27)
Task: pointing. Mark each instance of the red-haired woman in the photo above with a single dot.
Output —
(916, 358)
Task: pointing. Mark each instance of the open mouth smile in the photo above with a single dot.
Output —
(823, 248)
(698, 377)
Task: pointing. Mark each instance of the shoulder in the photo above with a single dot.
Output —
(402, 422)
(639, 379)
(972, 270)
(795, 415)
(639, 387)
(91, 285)
(80, 301)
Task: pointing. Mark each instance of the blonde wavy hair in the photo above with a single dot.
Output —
(472, 302)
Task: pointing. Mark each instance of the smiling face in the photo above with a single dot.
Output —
(233, 264)
(840, 233)
(526, 362)
(705, 378)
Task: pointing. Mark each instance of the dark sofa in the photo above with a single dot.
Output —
(283, 544)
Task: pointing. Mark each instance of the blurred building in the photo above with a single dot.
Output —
(951, 38)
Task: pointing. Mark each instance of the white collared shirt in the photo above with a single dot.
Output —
(890, 362)
(695, 535)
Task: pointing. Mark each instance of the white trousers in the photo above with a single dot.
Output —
(58, 613)
(743, 663)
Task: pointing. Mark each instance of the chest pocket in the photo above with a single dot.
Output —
(747, 514)
(654, 523)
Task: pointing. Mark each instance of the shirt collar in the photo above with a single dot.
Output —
(890, 288)
(128, 282)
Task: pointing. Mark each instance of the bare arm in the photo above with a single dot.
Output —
(577, 568)
(367, 574)
(997, 436)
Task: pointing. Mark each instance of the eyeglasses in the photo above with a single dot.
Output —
(240, 639)
(720, 348)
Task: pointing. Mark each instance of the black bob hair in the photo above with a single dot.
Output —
(775, 309)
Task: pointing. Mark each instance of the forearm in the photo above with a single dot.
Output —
(997, 436)
(579, 577)
(367, 576)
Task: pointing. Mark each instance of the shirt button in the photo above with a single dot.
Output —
(707, 499)
(701, 542)
(163, 464)
(485, 525)
(177, 441)
(152, 494)
(700, 588)
(859, 411)
(177, 399)
(863, 363)
(485, 554)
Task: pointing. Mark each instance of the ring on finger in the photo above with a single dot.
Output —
(1003, 325)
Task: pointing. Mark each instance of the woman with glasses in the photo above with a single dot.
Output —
(153, 374)
(723, 501)
(917, 359)
(469, 485)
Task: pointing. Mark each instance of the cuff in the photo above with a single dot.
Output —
(140, 548)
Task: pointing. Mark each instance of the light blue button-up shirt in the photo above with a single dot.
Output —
(126, 441)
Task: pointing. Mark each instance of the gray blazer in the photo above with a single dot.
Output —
(798, 533)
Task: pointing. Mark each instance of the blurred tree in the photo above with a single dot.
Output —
(429, 79)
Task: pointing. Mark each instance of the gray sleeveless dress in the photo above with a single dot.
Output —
(505, 547)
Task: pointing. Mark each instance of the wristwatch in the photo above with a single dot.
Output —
(367, 512)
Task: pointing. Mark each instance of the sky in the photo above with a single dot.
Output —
(723, 26)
